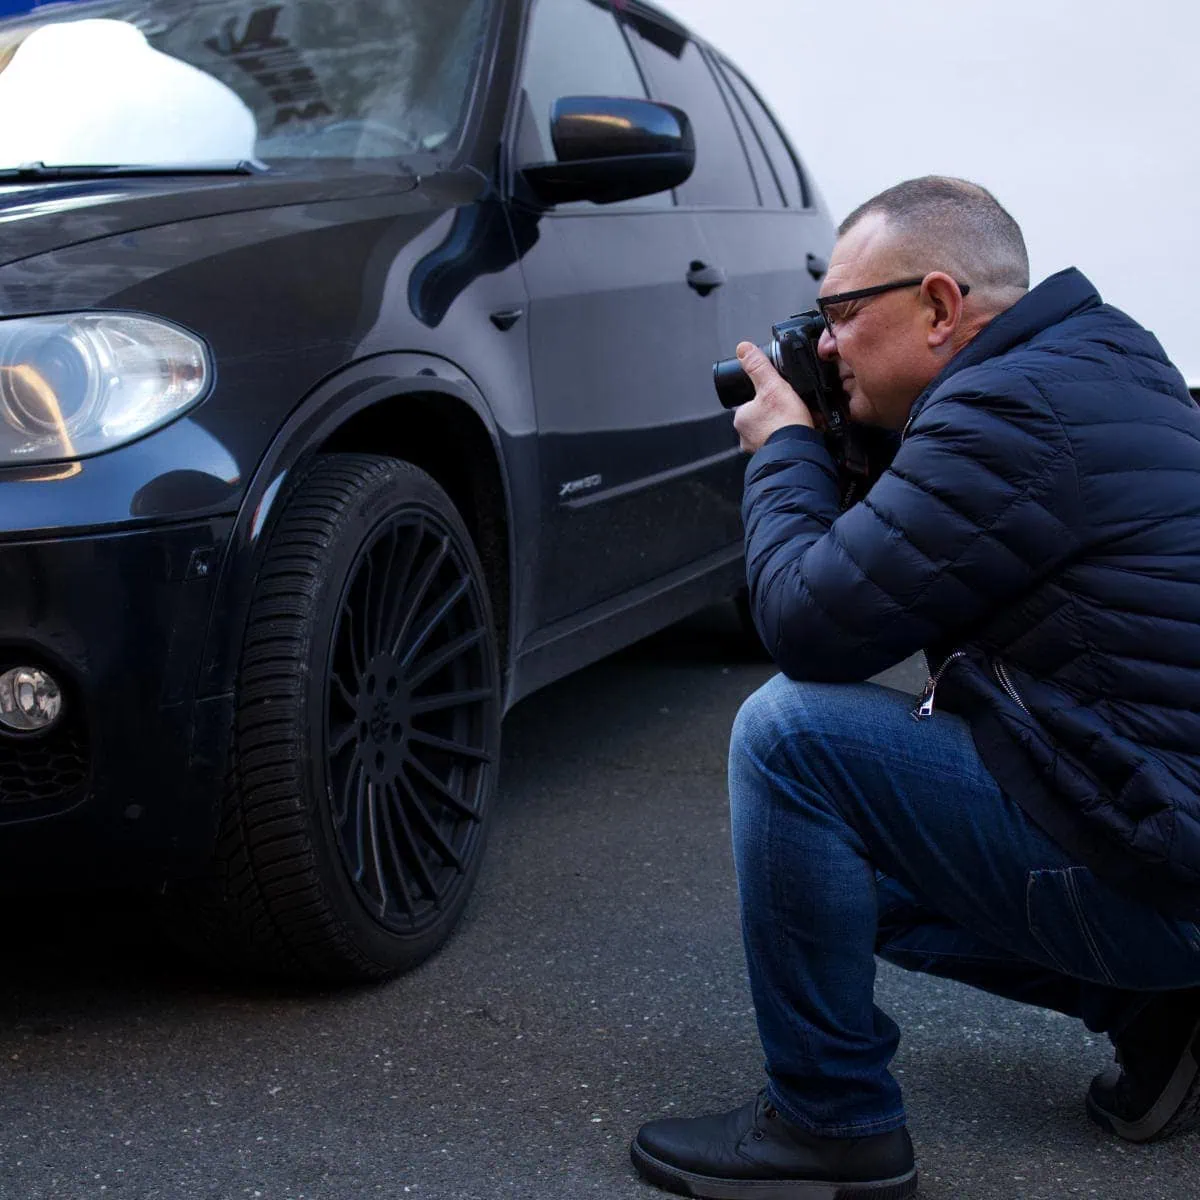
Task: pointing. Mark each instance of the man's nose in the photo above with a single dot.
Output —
(827, 346)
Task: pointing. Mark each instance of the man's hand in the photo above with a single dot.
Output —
(775, 403)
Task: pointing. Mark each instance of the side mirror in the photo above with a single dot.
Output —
(611, 149)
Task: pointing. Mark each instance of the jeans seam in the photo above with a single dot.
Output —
(1077, 916)
(981, 959)
(1030, 878)
(854, 1129)
(1084, 927)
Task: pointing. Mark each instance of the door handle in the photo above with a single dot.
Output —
(703, 278)
(816, 266)
(506, 318)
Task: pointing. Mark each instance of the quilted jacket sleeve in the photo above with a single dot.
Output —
(980, 501)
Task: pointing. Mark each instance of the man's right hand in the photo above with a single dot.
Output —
(775, 404)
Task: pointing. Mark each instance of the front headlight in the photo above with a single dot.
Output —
(74, 385)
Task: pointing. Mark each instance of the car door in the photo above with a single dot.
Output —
(634, 449)
(762, 227)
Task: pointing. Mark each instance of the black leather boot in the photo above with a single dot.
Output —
(1154, 1091)
(754, 1152)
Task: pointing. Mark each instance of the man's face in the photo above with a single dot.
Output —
(880, 343)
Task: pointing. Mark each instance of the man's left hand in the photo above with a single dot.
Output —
(775, 403)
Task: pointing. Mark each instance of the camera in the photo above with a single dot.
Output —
(792, 351)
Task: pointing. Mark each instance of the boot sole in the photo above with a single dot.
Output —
(1176, 1110)
(706, 1187)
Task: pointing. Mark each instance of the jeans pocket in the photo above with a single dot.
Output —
(1058, 919)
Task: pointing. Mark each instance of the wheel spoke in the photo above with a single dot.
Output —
(343, 739)
(397, 866)
(398, 588)
(414, 849)
(355, 665)
(381, 605)
(439, 614)
(351, 701)
(447, 654)
(422, 817)
(360, 864)
(365, 623)
(424, 579)
(452, 799)
(450, 747)
(342, 812)
(427, 704)
(376, 861)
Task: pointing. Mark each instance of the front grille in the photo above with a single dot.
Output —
(46, 769)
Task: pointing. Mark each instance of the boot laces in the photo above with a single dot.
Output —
(765, 1110)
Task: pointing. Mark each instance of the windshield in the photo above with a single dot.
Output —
(193, 82)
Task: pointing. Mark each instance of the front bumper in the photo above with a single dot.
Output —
(127, 784)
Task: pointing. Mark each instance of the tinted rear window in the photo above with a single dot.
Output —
(787, 170)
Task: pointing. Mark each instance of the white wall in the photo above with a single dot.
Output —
(1082, 116)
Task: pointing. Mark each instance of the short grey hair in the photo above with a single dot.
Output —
(952, 225)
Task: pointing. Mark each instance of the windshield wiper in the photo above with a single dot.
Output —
(39, 170)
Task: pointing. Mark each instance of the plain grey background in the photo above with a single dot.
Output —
(1070, 111)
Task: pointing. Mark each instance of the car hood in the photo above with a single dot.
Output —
(37, 217)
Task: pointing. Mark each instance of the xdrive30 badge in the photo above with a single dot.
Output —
(575, 486)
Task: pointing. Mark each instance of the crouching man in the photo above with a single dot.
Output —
(1031, 826)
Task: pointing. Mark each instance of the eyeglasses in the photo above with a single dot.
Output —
(827, 302)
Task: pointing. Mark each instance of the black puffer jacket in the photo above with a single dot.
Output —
(1038, 534)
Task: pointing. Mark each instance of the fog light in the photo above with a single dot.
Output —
(30, 700)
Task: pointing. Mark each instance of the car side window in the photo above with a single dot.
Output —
(787, 169)
(679, 74)
(574, 48)
(769, 192)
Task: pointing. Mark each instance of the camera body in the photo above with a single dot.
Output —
(792, 351)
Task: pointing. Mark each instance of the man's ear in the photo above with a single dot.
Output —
(944, 301)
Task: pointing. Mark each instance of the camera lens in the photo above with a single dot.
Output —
(733, 385)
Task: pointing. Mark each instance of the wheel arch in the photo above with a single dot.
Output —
(444, 436)
(448, 431)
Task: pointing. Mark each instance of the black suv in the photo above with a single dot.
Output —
(355, 381)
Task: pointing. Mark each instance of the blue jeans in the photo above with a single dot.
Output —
(858, 831)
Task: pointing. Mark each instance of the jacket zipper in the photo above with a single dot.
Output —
(925, 705)
(1007, 684)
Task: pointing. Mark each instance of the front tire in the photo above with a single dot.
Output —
(367, 732)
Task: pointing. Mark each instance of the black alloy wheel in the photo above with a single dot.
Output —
(367, 737)
(408, 749)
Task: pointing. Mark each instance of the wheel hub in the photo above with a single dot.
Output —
(383, 718)
(380, 725)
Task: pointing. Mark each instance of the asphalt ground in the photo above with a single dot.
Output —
(597, 980)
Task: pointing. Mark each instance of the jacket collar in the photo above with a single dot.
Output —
(1053, 300)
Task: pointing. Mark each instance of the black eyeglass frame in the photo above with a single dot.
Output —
(863, 293)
